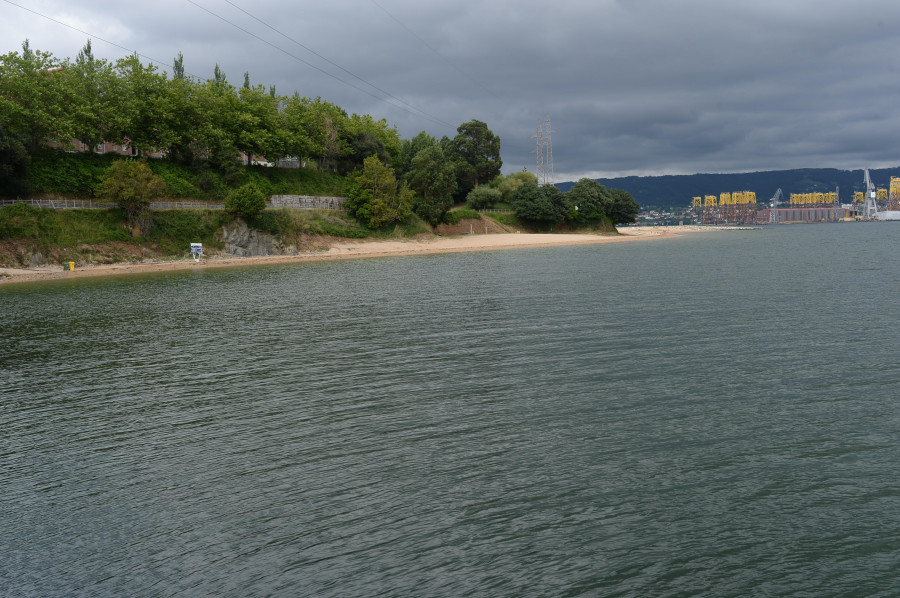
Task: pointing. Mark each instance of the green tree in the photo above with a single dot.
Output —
(409, 148)
(623, 208)
(258, 130)
(132, 185)
(508, 184)
(374, 197)
(32, 96)
(324, 126)
(546, 205)
(304, 135)
(246, 201)
(483, 197)
(363, 136)
(433, 177)
(181, 116)
(476, 150)
(219, 121)
(96, 113)
(144, 104)
(590, 202)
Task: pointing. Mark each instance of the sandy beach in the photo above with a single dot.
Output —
(354, 249)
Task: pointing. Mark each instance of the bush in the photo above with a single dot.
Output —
(131, 184)
(483, 197)
(246, 201)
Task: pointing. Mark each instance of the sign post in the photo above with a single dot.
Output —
(196, 251)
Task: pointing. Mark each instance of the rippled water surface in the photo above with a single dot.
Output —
(714, 414)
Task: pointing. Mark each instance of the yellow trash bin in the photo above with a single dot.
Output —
(71, 265)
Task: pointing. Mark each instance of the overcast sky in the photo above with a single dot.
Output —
(631, 86)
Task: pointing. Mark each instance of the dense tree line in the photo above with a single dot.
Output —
(586, 204)
(211, 123)
(93, 100)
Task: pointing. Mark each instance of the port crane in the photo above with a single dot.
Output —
(773, 203)
(870, 208)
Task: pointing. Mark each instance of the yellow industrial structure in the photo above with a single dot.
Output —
(739, 207)
(813, 200)
(881, 196)
(894, 199)
(734, 207)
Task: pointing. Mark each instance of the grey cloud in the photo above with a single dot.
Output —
(632, 87)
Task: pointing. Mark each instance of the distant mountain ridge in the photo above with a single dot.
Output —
(678, 190)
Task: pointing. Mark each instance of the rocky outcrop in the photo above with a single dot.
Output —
(242, 241)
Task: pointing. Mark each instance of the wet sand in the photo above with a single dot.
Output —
(352, 250)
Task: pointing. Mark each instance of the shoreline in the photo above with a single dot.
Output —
(357, 249)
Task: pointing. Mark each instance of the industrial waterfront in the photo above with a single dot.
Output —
(742, 207)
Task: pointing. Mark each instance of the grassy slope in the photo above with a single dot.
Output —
(101, 236)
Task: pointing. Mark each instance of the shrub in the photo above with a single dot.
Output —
(131, 184)
(246, 201)
(483, 197)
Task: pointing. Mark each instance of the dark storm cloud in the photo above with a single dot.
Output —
(631, 87)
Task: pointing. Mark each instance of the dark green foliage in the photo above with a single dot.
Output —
(409, 149)
(80, 175)
(623, 209)
(483, 197)
(590, 202)
(76, 174)
(546, 204)
(433, 177)
(246, 201)
(476, 151)
(14, 162)
(181, 181)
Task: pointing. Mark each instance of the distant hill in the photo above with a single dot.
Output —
(678, 190)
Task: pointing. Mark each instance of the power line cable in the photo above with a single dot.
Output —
(90, 35)
(166, 64)
(436, 53)
(334, 64)
(298, 59)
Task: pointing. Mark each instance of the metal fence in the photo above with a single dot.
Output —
(59, 203)
(185, 205)
(307, 202)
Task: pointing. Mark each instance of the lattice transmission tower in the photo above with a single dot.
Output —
(544, 151)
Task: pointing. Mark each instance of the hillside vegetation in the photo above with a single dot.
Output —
(67, 174)
(677, 190)
(31, 236)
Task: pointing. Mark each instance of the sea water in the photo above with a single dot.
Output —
(709, 415)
